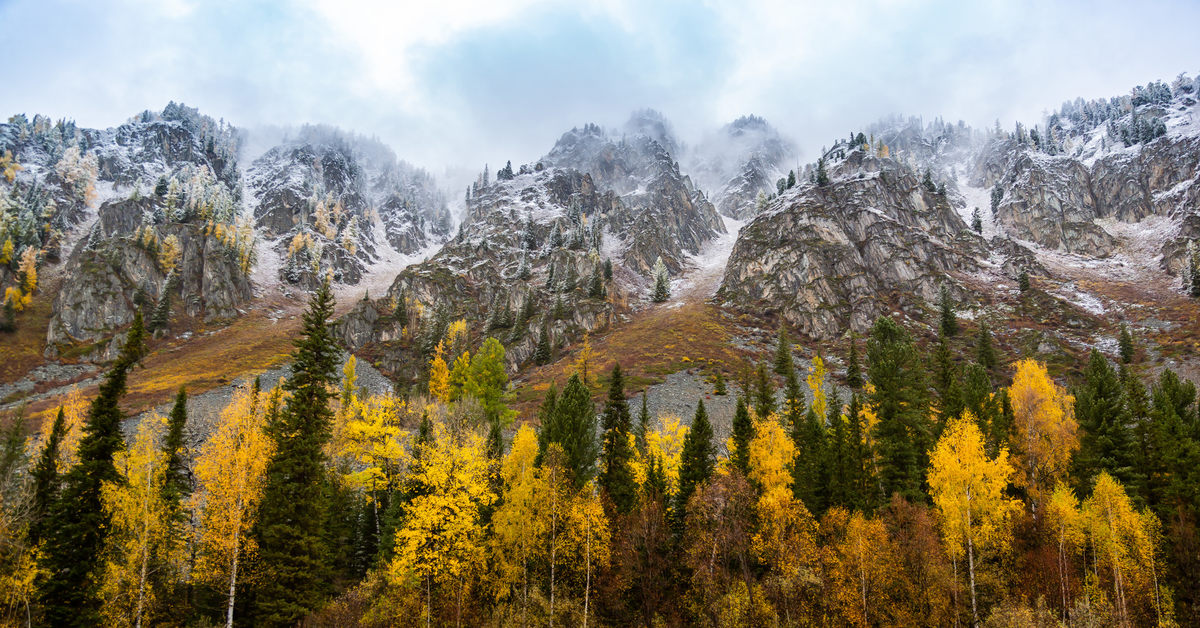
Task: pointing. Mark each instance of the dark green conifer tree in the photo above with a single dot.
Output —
(616, 477)
(76, 530)
(783, 354)
(985, 353)
(853, 369)
(696, 462)
(570, 421)
(46, 479)
(643, 426)
(542, 353)
(293, 556)
(1106, 440)
(743, 433)
(901, 433)
(764, 393)
(949, 320)
(1126, 344)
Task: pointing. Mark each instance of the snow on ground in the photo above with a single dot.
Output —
(380, 275)
(269, 261)
(977, 197)
(703, 272)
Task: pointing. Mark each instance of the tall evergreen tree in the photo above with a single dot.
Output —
(77, 528)
(783, 354)
(696, 461)
(541, 352)
(901, 433)
(292, 551)
(853, 369)
(46, 478)
(1126, 344)
(571, 422)
(617, 476)
(1106, 440)
(862, 485)
(985, 353)
(949, 320)
(764, 393)
(176, 484)
(743, 433)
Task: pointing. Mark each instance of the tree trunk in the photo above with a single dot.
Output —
(971, 570)
(145, 549)
(553, 543)
(587, 582)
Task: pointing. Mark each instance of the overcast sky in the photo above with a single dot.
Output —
(457, 83)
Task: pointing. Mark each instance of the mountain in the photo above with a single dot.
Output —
(327, 200)
(741, 160)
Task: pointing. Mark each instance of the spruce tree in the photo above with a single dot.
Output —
(46, 479)
(985, 353)
(76, 530)
(949, 321)
(783, 354)
(853, 371)
(764, 393)
(1023, 281)
(719, 388)
(976, 221)
(292, 552)
(696, 462)
(861, 462)
(743, 433)
(541, 352)
(662, 282)
(176, 484)
(596, 286)
(1126, 344)
(794, 401)
(570, 421)
(901, 433)
(1106, 440)
(617, 476)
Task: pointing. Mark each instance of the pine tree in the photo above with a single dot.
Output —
(292, 554)
(719, 388)
(662, 282)
(985, 353)
(608, 269)
(783, 354)
(1106, 442)
(696, 461)
(542, 353)
(949, 321)
(46, 479)
(1023, 281)
(176, 483)
(570, 421)
(764, 393)
(1126, 344)
(853, 371)
(596, 286)
(791, 179)
(77, 527)
(977, 221)
(560, 310)
(901, 434)
(743, 433)
(616, 477)
(1194, 267)
(822, 173)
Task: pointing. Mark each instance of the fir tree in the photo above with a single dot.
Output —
(997, 195)
(560, 310)
(45, 479)
(596, 286)
(791, 179)
(1106, 440)
(949, 320)
(1023, 281)
(927, 182)
(662, 282)
(853, 371)
(783, 354)
(901, 434)
(719, 388)
(822, 174)
(176, 484)
(542, 352)
(76, 530)
(570, 421)
(1194, 268)
(976, 221)
(743, 433)
(862, 486)
(985, 353)
(764, 393)
(617, 476)
(608, 269)
(1126, 344)
(292, 552)
(696, 462)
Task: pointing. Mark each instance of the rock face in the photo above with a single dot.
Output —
(106, 277)
(664, 214)
(329, 200)
(526, 262)
(741, 160)
(1056, 189)
(829, 259)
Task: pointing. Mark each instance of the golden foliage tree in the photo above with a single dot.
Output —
(816, 383)
(439, 375)
(1046, 430)
(1064, 519)
(968, 490)
(518, 522)
(230, 473)
(441, 540)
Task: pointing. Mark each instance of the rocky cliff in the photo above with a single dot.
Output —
(738, 162)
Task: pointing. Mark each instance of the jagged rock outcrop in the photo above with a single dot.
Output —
(829, 259)
(108, 276)
(329, 200)
(741, 160)
(524, 251)
(665, 214)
